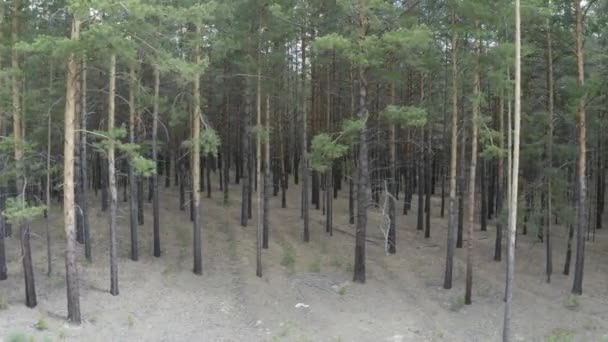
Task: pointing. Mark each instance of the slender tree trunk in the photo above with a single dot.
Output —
(284, 175)
(3, 268)
(507, 333)
(392, 234)
(155, 196)
(20, 181)
(132, 181)
(267, 177)
(329, 177)
(363, 191)
(182, 184)
(259, 165)
(304, 161)
(71, 265)
(472, 174)
(429, 181)
(112, 182)
(461, 182)
(452, 211)
(195, 165)
(549, 199)
(3, 189)
(84, 166)
(484, 195)
(499, 187)
(47, 190)
(246, 156)
(581, 204)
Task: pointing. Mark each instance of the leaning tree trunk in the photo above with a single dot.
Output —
(155, 207)
(112, 181)
(453, 215)
(507, 333)
(71, 264)
(581, 211)
(20, 181)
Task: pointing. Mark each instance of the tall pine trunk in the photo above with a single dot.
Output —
(581, 194)
(3, 188)
(20, 180)
(452, 211)
(363, 190)
(393, 190)
(472, 172)
(267, 177)
(155, 205)
(507, 333)
(47, 189)
(549, 200)
(195, 165)
(132, 179)
(71, 265)
(258, 168)
(84, 166)
(112, 181)
(304, 159)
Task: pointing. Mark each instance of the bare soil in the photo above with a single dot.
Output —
(306, 293)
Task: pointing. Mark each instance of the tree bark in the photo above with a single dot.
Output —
(112, 182)
(472, 172)
(549, 199)
(267, 177)
(507, 333)
(71, 265)
(195, 164)
(3, 188)
(499, 186)
(84, 167)
(392, 234)
(581, 194)
(363, 191)
(304, 159)
(132, 179)
(155, 199)
(47, 190)
(259, 165)
(452, 211)
(20, 179)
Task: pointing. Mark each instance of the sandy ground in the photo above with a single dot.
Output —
(403, 300)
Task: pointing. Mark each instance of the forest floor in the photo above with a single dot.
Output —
(403, 300)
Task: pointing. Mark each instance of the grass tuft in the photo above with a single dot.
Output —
(456, 303)
(572, 303)
(315, 266)
(560, 335)
(42, 324)
(3, 303)
(17, 337)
